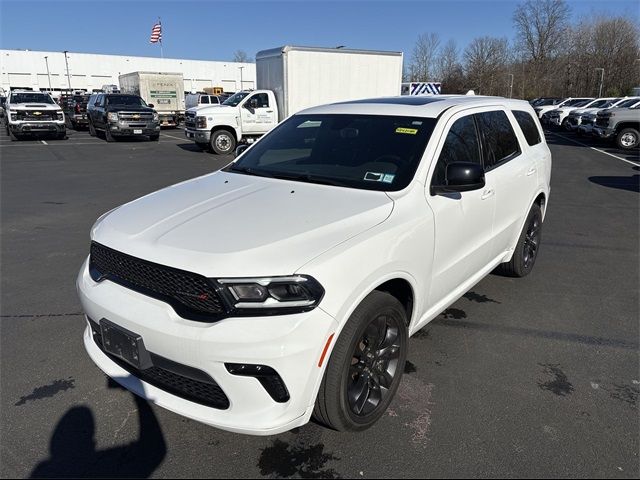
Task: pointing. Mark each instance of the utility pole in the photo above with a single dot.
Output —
(46, 61)
(601, 81)
(241, 77)
(66, 61)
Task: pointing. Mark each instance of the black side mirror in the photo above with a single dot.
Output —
(151, 105)
(240, 150)
(461, 177)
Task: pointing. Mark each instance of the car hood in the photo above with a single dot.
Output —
(233, 225)
(34, 106)
(211, 109)
(128, 108)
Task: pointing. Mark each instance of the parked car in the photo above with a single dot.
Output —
(622, 125)
(197, 99)
(588, 120)
(118, 115)
(75, 111)
(28, 112)
(558, 116)
(545, 101)
(543, 111)
(574, 118)
(295, 276)
(3, 101)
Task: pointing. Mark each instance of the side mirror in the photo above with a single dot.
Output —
(151, 105)
(461, 177)
(240, 150)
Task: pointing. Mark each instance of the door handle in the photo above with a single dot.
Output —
(269, 111)
(487, 193)
(531, 171)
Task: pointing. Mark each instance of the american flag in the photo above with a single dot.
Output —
(156, 33)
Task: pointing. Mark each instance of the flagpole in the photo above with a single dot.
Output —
(161, 52)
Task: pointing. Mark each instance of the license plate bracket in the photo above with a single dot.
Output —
(137, 132)
(125, 345)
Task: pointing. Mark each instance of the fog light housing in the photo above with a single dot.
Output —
(267, 376)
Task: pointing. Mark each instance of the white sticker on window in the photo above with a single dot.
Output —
(379, 177)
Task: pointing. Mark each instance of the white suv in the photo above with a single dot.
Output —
(287, 284)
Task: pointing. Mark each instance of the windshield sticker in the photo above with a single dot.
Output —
(409, 131)
(379, 177)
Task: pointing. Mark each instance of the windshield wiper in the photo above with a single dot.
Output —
(306, 177)
(249, 171)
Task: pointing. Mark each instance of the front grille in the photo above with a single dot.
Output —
(135, 117)
(190, 120)
(36, 115)
(602, 122)
(164, 374)
(191, 295)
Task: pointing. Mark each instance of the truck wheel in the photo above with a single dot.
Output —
(365, 367)
(107, 135)
(526, 251)
(92, 129)
(628, 138)
(222, 142)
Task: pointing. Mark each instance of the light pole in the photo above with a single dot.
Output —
(240, 77)
(66, 61)
(511, 86)
(46, 61)
(601, 81)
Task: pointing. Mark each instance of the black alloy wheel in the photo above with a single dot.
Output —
(374, 365)
(532, 241)
(528, 246)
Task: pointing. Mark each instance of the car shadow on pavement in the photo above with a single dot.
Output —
(630, 183)
(191, 147)
(73, 451)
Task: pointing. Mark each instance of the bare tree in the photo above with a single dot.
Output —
(241, 56)
(449, 70)
(425, 51)
(540, 27)
(486, 62)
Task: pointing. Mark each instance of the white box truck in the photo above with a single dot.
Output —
(290, 79)
(165, 91)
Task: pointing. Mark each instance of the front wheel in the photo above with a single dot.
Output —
(92, 129)
(366, 365)
(628, 138)
(222, 142)
(107, 134)
(526, 251)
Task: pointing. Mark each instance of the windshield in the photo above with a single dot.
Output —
(576, 102)
(130, 100)
(602, 103)
(628, 103)
(31, 98)
(370, 152)
(546, 101)
(235, 99)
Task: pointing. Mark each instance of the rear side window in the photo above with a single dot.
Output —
(499, 140)
(461, 145)
(204, 99)
(528, 126)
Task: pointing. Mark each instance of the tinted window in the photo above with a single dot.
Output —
(204, 99)
(262, 100)
(125, 100)
(528, 126)
(372, 152)
(499, 139)
(461, 145)
(30, 98)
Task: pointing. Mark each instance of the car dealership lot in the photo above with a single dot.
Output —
(521, 377)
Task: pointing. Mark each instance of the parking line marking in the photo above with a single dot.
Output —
(44, 143)
(177, 138)
(596, 149)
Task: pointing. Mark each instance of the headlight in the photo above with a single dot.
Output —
(201, 122)
(60, 116)
(155, 116)
(14, 116)
(112, 116)
(272, 294)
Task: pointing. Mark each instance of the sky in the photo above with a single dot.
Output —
(214, 30)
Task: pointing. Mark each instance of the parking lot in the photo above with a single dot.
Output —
(520, 378)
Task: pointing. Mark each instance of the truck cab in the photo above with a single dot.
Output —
(243, 117)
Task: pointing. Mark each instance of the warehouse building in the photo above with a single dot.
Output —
(39, 70)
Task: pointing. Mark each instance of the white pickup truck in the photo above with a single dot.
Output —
(292, 79)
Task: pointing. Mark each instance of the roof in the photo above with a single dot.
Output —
(276, 52)
(419, 106)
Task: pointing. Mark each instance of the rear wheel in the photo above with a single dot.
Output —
(628, 138)
(526, 251)
(366, 365)
(222, 142)
(92, 129)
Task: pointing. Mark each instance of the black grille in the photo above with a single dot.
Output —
(191, 295)
(133, 117)
(36, 115)
(164, 375)
(602, 121)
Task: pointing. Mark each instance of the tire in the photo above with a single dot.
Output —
(565, 124)
(526, 251)
(107, 135)
(92, 129)
(628, 138)
(154, 138)
(222, 142)
(13, 136)
(379, 320)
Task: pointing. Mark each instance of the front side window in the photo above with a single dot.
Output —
(372, 152)
(528, 126)
(498, 138)
(204, 99)
(461, 145)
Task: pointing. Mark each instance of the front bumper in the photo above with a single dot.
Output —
(198, 136)
(290, 344)
(80, 119)
(602, 132)
(132, 129)
(554, 121)
(38, 127)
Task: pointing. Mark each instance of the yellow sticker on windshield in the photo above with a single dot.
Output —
(410, 131)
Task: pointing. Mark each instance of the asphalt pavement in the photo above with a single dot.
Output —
(532, 377)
